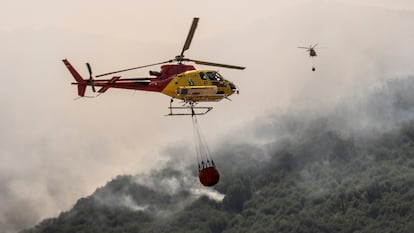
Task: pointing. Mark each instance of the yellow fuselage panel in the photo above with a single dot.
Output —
(205, 81)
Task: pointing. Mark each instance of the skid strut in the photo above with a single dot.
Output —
(190, 110)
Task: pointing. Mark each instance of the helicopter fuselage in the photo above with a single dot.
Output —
(178, 81)
(184, 82)
(312, 53)
(199, 86)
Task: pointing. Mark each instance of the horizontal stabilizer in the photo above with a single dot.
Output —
(108, 84)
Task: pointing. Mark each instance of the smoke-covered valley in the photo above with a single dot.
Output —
(55, 150)
(342, 163)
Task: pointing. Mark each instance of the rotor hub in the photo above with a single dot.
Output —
(179, 58)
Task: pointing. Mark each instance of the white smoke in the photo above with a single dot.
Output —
(54, 150)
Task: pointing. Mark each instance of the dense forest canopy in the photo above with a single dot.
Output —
(348, 170)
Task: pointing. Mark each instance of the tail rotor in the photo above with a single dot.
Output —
(91, 81)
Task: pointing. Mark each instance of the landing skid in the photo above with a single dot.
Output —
(190, 110)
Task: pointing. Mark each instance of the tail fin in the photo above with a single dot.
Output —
(79, 80)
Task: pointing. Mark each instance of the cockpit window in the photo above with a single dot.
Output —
(214, 76)
(203, 76)
(211, 75)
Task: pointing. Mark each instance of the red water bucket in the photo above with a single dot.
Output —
(209, 176)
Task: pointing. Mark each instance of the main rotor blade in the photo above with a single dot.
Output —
(134, 68)
(304, 47)
(315, 45)
(190, 36)
(216, 64)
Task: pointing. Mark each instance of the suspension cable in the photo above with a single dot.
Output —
(196, 143)
(202, 150)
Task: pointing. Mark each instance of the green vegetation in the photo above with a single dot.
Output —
(324, 183)
(315, 174)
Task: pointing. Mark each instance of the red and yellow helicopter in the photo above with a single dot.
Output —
(179, 81)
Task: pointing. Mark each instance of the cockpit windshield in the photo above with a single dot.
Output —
(214, 76)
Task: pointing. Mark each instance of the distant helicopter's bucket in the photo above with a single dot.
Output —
(209, 176)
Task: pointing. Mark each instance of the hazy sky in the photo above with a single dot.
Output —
(54, 149)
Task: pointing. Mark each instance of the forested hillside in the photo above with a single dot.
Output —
(326, 175)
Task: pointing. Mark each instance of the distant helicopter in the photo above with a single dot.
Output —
(312, 52)
(179, 81)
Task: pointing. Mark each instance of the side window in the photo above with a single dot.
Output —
(202, 76)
